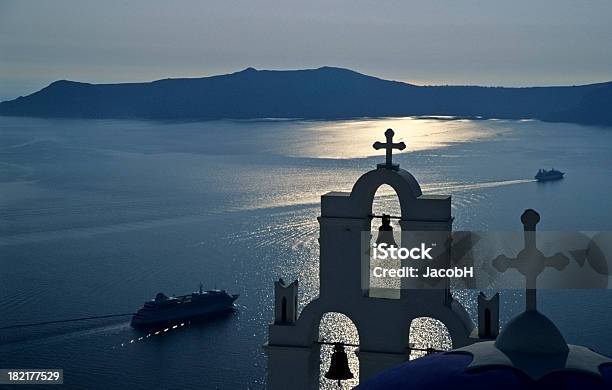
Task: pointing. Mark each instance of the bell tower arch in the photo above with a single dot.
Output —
(293, 349)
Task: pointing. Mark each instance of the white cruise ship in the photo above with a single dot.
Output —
(164, 309)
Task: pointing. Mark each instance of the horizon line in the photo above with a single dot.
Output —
(251, 68)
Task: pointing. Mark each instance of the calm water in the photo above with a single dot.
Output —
(98, 216)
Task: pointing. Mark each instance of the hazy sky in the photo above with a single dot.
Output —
(511, 42)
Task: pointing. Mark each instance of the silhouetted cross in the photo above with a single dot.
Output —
(530, 262)
(389, 146)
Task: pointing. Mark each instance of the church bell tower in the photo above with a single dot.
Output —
(383, 324)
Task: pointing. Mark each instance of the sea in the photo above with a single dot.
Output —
(97, 216)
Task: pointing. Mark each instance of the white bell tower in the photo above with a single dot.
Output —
(383, 324)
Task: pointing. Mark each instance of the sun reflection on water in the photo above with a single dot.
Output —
(332, 139)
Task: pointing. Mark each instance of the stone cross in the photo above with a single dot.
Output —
(389, 146)
(530, 262)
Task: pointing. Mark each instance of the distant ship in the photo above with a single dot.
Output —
(553, 174)
(164, 309)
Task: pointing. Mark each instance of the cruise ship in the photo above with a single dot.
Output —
(553, 174)
(164, 309)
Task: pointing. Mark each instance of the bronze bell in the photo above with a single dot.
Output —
(339, 367)
(385, 232)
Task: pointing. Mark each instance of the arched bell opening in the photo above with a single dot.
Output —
(386, 201)
(403, 183)
(385, 229)
(338, 328)
(428, 333)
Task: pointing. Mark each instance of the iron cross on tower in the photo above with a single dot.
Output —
(530, 262)
(389, 146)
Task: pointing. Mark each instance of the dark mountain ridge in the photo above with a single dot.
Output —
(323, 93)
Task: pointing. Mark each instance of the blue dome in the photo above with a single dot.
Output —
(450, 370)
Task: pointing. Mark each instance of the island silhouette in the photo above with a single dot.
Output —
(323, 93)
